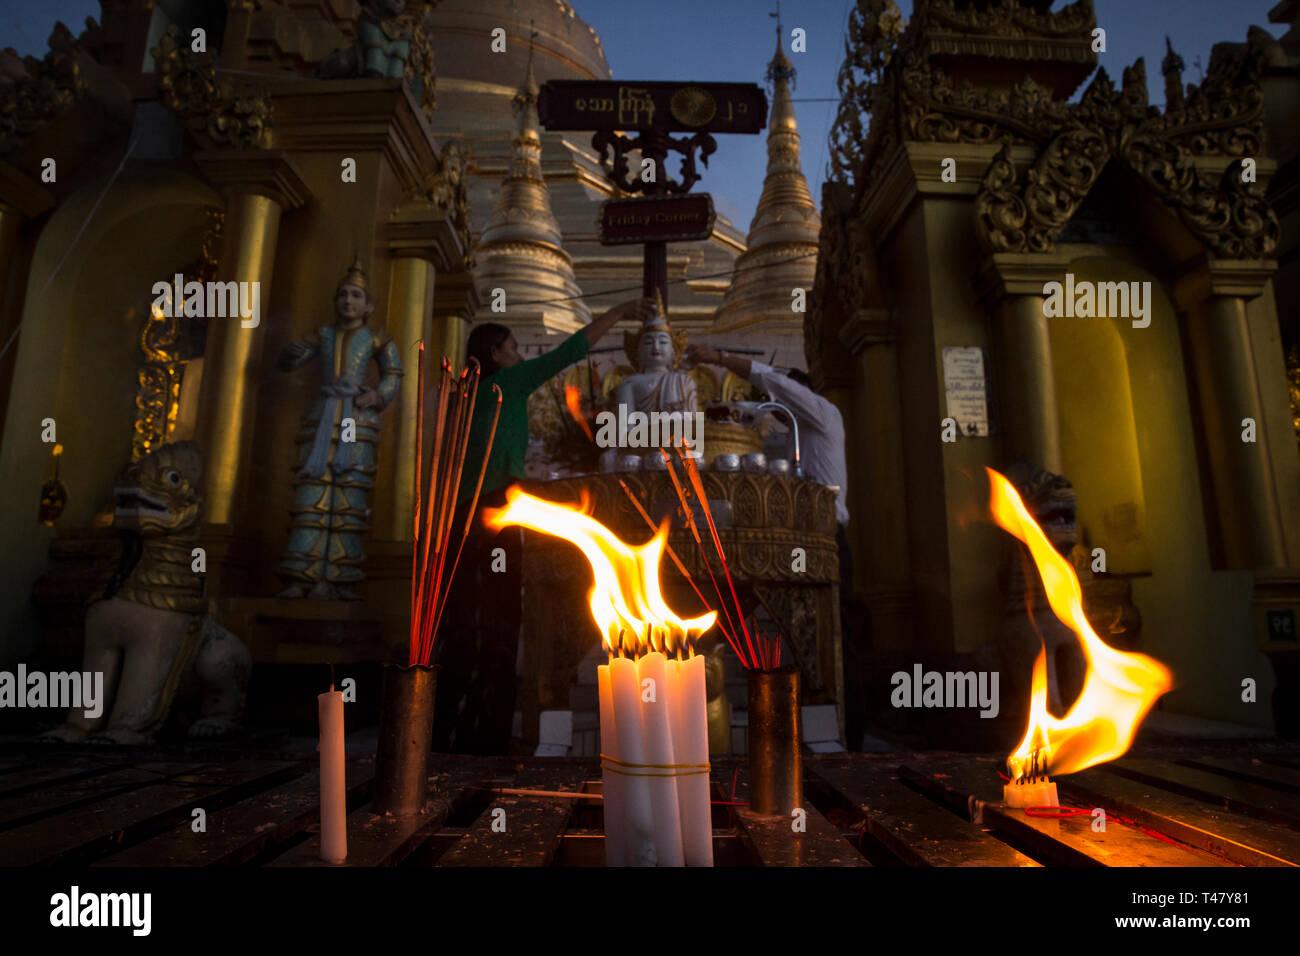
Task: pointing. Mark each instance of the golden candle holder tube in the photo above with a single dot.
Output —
(775, 763)
(405, 739)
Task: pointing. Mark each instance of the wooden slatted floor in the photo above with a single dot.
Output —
(103, 808)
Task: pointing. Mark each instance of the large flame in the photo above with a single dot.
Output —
(1119, 688)
(626, 601)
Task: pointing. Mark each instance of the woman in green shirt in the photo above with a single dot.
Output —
(479, 638)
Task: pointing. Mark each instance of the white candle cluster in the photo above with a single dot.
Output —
(654, 741)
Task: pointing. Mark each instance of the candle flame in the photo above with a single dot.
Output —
(626, 601)
(573, 400)
(1119, 688)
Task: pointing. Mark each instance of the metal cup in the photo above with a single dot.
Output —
(755, 463)
(608, 460)
(728, 461)
(775, 763)
(629, 463)
(779, 466)
(405, 739)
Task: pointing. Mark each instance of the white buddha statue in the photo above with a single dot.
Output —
(657, 385)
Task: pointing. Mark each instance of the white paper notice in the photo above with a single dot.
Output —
(963, 377)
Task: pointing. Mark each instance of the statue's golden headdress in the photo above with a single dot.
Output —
(356, 276)
(657, 322)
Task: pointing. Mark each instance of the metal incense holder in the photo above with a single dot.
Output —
(405, 738)
(775, 765)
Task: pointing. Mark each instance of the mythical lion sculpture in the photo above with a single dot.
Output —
(151, 628)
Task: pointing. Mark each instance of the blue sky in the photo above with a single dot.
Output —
(732, 40)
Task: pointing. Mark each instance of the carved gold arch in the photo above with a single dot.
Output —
(1025, 212)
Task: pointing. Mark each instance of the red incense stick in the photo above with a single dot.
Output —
(473, 504)
(690, 521)
(694, 475)
(471, 386)
(419, 462)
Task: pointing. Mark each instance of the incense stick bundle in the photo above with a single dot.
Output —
(730, 630)
(694, 474)
(435, 512)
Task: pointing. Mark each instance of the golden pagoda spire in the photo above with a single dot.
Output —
(783, 235)
(521, 249)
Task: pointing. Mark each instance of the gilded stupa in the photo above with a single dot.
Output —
(521, 262)
(781, 253)
(476, 90)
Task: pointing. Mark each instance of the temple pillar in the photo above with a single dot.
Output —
(879, 535)
(1011, 288)
(1213, 298)
(259, 186)
(455, 303)
(423, 244)
(410, 299)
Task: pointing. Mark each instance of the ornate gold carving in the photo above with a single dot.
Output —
(158, 396)
(419, 60)
(1007, 18)
(166, 345)
(891, 75)
(873, 31)
(764, 525)
(447, 187)
(213, 111)
(1223, 116)
(46, 87)
(1026, 214)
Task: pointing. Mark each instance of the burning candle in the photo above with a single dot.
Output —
(1119, 688)
(615, 831)
(691, 737)
(638, 817)
(657, 699)
(653, 716)
(333, 786)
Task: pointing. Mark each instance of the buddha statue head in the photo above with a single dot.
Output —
(656, 348)
(352, 300)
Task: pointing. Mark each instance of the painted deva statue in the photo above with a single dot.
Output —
(657, 385)
(336, 446)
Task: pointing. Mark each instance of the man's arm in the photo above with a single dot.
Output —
(809, 407)
(733, 363)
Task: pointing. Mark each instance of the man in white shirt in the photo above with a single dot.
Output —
(821, 445)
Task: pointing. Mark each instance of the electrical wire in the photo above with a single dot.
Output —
(638, 288)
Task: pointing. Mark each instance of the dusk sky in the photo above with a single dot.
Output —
(732, 40)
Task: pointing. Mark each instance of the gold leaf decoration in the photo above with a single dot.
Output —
(215, 113)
